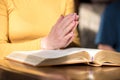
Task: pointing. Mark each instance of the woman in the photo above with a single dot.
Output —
(34, 24)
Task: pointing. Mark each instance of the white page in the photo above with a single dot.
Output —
(65, 52)
(41, 55)
(57, 53)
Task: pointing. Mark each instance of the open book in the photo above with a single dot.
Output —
(88, 56)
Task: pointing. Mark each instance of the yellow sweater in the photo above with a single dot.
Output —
(24, 22)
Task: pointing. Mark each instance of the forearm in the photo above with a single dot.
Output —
(7, 48)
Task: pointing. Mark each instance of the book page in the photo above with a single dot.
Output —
(58, 53)
(37, 56)
(49, 53)
(92, 52)
(107, 57)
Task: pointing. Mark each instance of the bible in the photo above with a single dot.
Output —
(94, 57)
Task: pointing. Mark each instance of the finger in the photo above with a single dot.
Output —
(68, 29)
(66, 21)
(76, 18)
(70, 40)
(67, 37)
(59, 28)
(55, 27)
(76, 23)
(58, 21)
(73, 18)
(71, 14)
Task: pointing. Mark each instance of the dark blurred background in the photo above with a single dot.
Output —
(89, 12)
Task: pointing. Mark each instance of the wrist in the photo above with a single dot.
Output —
(45, 45)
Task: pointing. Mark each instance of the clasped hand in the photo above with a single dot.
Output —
(62, 33)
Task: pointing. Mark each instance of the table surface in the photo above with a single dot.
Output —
(65, 72)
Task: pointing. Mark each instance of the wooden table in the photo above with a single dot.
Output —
(17, 71)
